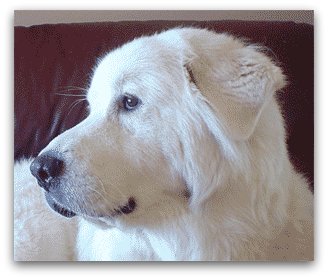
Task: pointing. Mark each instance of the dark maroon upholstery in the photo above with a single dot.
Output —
(52, 59)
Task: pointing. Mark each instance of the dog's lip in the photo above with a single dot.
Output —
(59, 208)
(126, 209)
(63, 211)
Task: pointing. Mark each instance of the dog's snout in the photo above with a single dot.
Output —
(46, 168)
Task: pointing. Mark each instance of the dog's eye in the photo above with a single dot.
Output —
(130, 102)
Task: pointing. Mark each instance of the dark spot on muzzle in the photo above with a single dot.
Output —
(128, 208)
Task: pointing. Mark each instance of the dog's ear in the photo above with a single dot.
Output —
(236, 80)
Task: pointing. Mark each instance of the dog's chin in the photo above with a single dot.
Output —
(124, 209)
(103, 223)
(100, 222)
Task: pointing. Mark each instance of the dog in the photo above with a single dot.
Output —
(182, 157)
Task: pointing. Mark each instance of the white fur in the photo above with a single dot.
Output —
(217, 135)
(39, 233)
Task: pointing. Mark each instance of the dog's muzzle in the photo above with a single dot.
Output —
(48, 169)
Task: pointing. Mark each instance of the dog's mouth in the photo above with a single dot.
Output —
(125, 209)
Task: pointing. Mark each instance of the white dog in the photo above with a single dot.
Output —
(182, 157)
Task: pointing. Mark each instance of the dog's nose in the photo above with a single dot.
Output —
(46, 168)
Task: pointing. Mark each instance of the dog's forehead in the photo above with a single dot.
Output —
(140, 54)
(129, 64)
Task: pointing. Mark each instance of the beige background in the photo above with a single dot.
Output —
(27, 18)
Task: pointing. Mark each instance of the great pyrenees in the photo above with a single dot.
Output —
(182, 157)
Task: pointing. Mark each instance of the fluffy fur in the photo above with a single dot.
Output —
(39, 233)
(203, 155)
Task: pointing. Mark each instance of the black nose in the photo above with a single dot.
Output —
(46, 168)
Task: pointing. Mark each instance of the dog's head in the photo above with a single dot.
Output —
(167, 116)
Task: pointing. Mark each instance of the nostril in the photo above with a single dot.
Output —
(43, 175)
(53, 167)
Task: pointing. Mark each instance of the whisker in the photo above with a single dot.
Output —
(70, 95)
(115, 198)
(63, 90)
(75, 103)
(73, 88)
